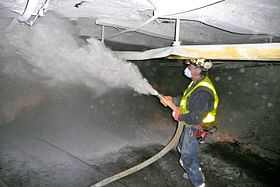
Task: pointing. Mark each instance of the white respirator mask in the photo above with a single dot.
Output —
(187, 73)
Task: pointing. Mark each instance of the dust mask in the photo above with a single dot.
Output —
(187, 73)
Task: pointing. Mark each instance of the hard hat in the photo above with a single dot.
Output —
(202, 63)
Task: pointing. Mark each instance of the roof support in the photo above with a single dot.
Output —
(177, 33)
(258, 52)
(102, 33)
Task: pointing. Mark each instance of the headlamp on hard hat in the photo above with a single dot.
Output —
(202, 63)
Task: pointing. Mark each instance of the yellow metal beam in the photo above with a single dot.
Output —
(269, 51)
(258, 52)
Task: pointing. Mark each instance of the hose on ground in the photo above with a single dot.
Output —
(173, 142)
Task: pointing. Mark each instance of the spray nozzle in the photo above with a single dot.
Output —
(158, 95)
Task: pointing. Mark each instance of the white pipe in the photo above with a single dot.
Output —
(177, 33)
(29, 9)
(134, 29)
(102, 33)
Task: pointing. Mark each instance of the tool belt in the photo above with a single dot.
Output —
(203, 131)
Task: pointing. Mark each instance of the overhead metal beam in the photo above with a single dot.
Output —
(258, 52)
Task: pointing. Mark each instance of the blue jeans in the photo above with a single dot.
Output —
(189, 147)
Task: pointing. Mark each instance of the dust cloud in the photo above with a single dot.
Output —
(53, 53)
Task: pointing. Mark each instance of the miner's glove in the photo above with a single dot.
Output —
(176, 114)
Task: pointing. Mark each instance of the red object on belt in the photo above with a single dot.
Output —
(201, 135)
(198, 134)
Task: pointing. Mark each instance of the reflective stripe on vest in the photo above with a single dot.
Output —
(206, 82)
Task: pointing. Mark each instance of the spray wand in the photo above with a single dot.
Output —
(160, 96)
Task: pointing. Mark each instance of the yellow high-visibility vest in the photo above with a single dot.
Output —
(205, 82)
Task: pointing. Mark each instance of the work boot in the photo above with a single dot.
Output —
(202, 185)
(185, 176)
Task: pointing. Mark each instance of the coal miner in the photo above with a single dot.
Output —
(196, 110)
